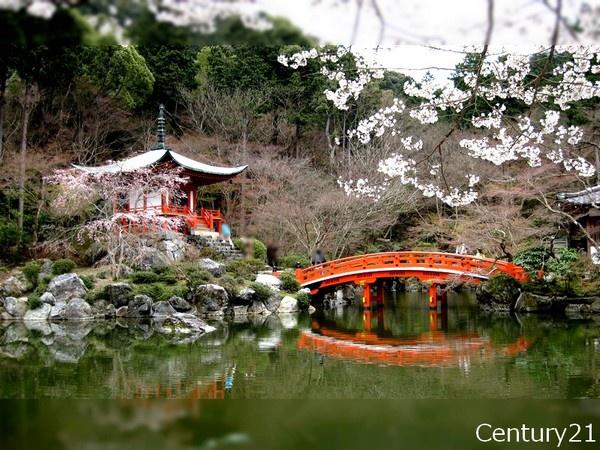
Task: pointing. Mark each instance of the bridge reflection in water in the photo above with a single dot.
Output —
(433, 348)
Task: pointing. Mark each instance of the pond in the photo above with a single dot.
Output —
(401, 352)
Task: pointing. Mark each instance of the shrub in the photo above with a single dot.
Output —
(143, 277)
(32, 272)
(262, 292)
(166, 274)
(289, 282)
(291, 260)
(231, 284)
(533, 259)
(564, 262)
(156, 291)
(259, 250)
(195, 277)
(303, 300)
(245, 268)
(92, 296)
(88, 281)
(34, 301)
(239, 244)
(63, 266)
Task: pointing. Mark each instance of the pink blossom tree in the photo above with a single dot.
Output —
(98, 196)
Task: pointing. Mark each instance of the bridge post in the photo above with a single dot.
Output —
(444, 299)
(379, 293)
(367, 297)
(433, 296)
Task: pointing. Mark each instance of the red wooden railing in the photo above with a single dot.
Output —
(426, 266)
(211, 218)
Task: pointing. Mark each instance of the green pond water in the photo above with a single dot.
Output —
(401, 352)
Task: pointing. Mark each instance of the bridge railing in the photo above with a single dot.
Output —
(462, 265)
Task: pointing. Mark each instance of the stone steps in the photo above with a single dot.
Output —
(218, 245)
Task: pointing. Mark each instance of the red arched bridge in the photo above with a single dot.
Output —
(432, 267)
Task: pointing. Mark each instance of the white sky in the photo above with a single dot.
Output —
(411, 24)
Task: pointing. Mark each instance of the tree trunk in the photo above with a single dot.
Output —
(3, 77)
(23, 153)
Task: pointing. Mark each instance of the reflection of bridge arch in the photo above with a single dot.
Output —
(429, 349)
(434, 267)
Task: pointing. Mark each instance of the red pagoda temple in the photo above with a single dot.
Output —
(198, 219)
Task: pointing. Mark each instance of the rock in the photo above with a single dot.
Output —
(139, 306)
(119, 294)
(288, 305)
(173, 248)
(16, 307)
(244, 297)
(529, 302)
(179, 304)
(67, 286)
(258, 308)
(48, 298)
(212, 298)
(499, 293)
(57, 312)
(41, 313)
(162, 308)
(268, 280)
(103, 310)
(214, 267)
(595, 307)
(273, 302)
(183, 323)
(121, 312)
(150, 258)
(45, 269)
(13, 286)
(311, 309)
(77, 309)
(239, 310)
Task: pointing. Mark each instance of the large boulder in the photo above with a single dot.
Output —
(179, 304)
(499, 293)
(163, 309)
(595, 306)
(119, 294)
(174, 248)
(139, 306)
(16, 307)
(102, 309)
(14, 286)
(212, 299)
(75, 309)
(258, 308)
(288, 305)
(272, 303)
(244, 297)
(67, 286)
(48, 298)
(41, 313)
(214, 267)
(268, 280)
(183, 323)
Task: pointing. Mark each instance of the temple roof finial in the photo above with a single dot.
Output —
(160, 128)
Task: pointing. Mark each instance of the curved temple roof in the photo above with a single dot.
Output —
(164, 155)
(590, 196)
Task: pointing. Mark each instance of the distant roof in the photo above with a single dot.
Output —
(589, 196)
